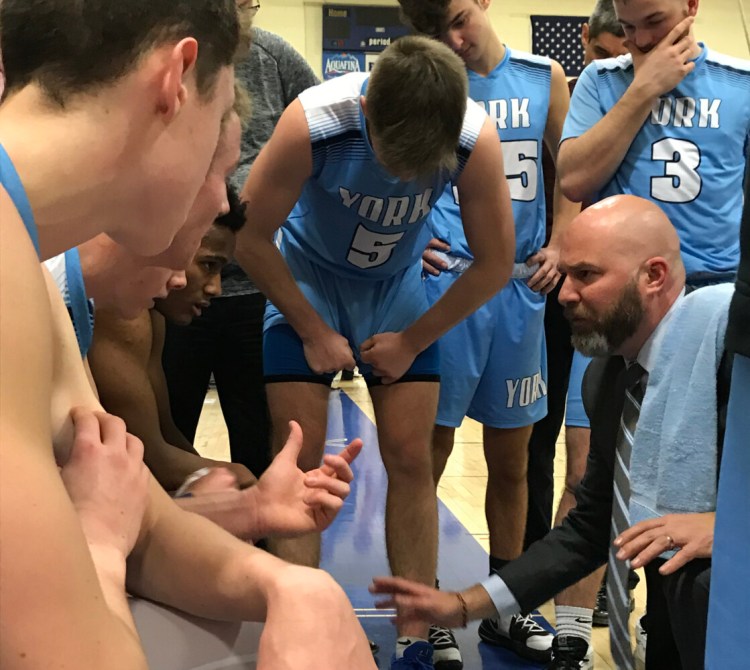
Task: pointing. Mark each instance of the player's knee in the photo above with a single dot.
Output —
(409, 465)
(509, 472)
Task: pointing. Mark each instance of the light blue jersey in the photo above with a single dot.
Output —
(515, 95)
(355, 219)
(12, 184)
(493, 364)
(689, 156)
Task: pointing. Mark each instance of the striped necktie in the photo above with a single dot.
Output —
(618, 596)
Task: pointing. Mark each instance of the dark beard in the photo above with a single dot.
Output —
(607, 333)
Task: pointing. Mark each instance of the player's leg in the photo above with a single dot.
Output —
(509, 399)
(463, 353)
(405, 413)
(443, 438)
(574, 607)
(238, 370)
(187, 360)
(295, 393)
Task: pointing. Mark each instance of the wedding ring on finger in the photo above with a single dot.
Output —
(671, 544)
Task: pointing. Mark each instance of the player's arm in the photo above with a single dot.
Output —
(119, 360)
(54, 610)
(488, 224)
(564, 210)
(587, 161)
(171, 433)
(237, 581)
(302, 608)
(273, 187)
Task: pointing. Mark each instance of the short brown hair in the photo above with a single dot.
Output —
(68, 47)
(428, 17)
(416, 102)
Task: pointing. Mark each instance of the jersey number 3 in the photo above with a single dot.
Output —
(681, 182)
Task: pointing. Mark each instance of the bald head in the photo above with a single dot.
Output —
(624, 272)
(630, 229)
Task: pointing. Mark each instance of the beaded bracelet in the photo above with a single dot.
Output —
(464, 610)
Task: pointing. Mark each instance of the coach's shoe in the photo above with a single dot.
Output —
(600, 617)
(571, 653)
(417, 656)
(446, 655)
(523, 635)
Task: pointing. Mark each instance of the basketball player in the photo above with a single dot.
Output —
(493, 364)
(365, 158)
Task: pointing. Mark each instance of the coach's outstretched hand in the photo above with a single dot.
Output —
(289, 502)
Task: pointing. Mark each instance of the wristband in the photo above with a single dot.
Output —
(464, 610)
(182, 492)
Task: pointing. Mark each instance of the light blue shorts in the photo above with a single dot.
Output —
(575, 414)
(355, 308)
(493, 365)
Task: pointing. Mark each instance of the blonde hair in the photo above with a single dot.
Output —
(416, 102)
(243, 103)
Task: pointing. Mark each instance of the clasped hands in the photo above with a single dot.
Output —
(389, 354)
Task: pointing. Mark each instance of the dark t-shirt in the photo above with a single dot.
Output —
(275, 74)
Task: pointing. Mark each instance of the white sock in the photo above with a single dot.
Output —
(575, 621)
(403, 642)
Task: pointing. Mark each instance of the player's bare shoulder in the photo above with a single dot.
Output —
(25, 341)
(132, 336)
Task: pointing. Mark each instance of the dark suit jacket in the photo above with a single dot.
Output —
(580, 545)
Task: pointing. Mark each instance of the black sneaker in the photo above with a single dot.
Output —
(571, 653)
(524, 636)
(601, 615)
(445, 655)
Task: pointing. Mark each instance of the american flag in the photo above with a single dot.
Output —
(559, 37)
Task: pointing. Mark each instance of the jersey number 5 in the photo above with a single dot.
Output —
(681, 182)
(521, 168)
(370, 249)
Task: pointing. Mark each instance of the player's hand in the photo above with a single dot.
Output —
(106, 480)
(389, 354)
(692, 534)
(432, 264)
(415, 602)
(547, 276)
(328, 352)
(289, 502)
(662, 68)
